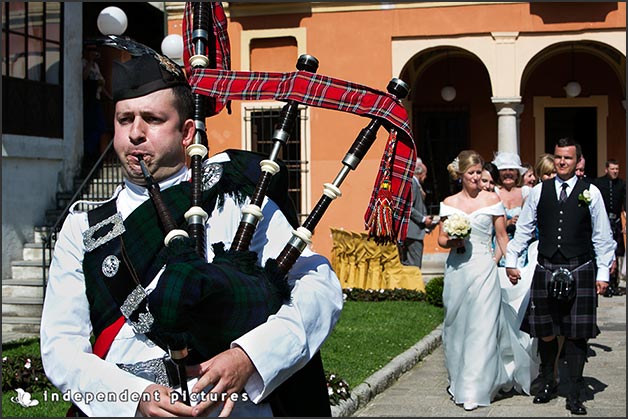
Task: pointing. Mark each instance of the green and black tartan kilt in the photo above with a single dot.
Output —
(546, 316)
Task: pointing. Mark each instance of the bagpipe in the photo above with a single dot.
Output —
(204, 305)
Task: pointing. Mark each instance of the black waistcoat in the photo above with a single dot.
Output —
(613, 192)
(564, 227)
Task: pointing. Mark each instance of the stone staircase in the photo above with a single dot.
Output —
(23, 293)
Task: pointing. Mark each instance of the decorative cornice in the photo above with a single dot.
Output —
(174, 10)
(244, 9)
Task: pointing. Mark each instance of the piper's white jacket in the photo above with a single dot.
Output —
(277, 348)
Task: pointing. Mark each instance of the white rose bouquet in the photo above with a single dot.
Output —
(457, 226)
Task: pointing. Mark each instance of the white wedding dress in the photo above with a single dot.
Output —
(484, 350)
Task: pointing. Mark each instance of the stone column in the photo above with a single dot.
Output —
(508, 110)
(519, 109)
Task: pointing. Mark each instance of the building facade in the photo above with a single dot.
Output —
(483, 75)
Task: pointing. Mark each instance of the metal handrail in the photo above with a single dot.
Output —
(97, 191)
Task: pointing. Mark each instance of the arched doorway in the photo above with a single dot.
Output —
(595, 118)
(445, 125)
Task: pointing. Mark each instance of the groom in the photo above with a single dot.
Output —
(573, 231)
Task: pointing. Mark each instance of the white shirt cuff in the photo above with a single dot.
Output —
(270, 365)
(511, 261)
(602, 274)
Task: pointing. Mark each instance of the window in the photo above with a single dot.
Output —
(260, 126)
(32, 76)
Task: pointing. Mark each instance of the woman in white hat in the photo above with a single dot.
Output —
(508, 189)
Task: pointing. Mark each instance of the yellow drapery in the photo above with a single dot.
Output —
(362, 263)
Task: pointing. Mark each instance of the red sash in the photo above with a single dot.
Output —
(101, 347)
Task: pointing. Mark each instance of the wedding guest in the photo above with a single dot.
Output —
(613, 191)
(529, 178)
(411, 250)
(580, 168)
(581, 164)
(94, 92)
(490, 174)
(545, 168)
(512, 195)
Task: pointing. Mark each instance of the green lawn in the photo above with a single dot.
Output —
(370, 334)
(15, 354)
(367, 336)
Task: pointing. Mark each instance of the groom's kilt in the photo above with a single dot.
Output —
(546, 316)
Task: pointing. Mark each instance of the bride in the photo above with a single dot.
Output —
(484, 351)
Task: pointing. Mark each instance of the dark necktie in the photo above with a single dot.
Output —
(563, 193)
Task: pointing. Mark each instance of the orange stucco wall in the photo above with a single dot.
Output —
(356, 46)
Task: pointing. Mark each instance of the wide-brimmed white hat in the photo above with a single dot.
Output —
(508, 160)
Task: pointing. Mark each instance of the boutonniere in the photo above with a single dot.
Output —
(585, 197)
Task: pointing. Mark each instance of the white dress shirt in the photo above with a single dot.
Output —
(277, 348)
(602, 240)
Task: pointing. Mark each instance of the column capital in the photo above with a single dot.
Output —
(508, 105)
(513, 100)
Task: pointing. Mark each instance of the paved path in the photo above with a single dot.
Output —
(421, 391)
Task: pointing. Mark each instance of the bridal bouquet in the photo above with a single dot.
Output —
(457, 226)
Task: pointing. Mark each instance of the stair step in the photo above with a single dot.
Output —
(23, 288)
(21, 307)
(22, 294)
(33, 252)
(31, 282)
(26, 269)
(63, 199)
(41, 232)
(53, 215)
(23, 325)
(434, 263)
(13, 336)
